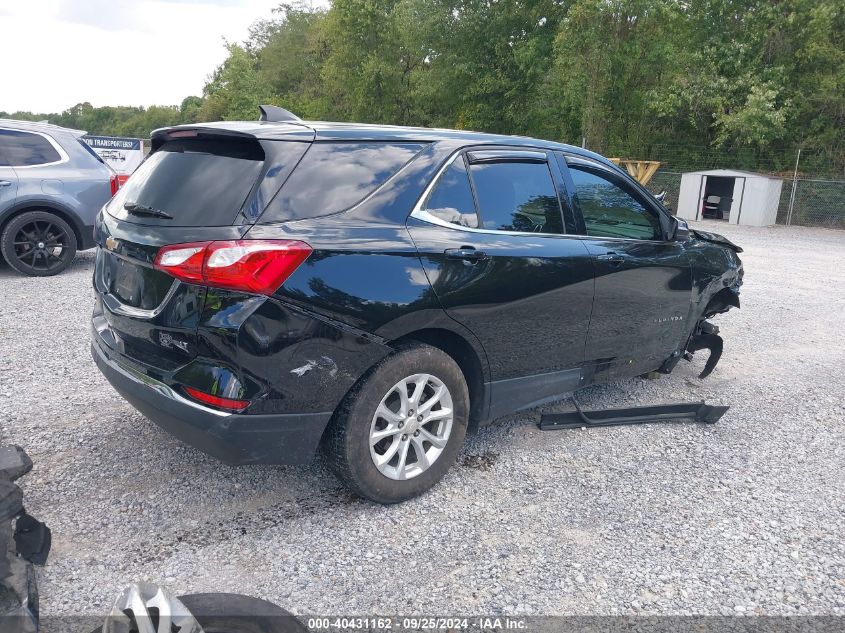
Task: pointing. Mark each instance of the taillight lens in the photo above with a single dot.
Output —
(114, 183)
(216, 401)
(183, 261)
(258, 266)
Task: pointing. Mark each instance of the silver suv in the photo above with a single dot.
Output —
(52, 186)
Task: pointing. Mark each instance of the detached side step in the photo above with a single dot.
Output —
(680, 412)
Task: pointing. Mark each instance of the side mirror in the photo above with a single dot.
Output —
(681, 233)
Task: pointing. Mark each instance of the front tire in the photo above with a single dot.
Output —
(399, 430)
(38, 244)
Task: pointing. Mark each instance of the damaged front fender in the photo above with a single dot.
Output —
(707, 337)
(718, 275)
(722, 301)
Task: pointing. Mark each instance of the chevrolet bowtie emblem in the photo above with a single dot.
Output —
(111, 243)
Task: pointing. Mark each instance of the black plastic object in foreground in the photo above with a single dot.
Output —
(11, 499)
(14, 461)
(18, 590)
(33, 539)
(680, 412)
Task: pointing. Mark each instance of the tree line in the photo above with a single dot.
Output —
(626, 77)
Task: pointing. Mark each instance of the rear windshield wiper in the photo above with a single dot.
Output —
(141, 209)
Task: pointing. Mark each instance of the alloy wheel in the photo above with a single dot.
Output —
(411, 426)
(41, 246)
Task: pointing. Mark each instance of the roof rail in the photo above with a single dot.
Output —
(41, 124)
(276, 114)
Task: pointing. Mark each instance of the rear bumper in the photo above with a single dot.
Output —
(231, 438)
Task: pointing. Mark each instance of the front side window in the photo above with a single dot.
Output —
(609, 210)
(451, 199)
(24, 149)
(517, 196)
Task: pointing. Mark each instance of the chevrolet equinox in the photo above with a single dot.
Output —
(265, 289)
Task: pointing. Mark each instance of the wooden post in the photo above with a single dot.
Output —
(641, 170)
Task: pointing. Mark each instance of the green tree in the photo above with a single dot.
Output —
(234, 90)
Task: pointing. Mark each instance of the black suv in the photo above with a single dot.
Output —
(266, 288)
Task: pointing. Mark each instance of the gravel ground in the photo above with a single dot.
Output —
(744, 517)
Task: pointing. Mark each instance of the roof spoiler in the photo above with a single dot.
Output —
(276, 114)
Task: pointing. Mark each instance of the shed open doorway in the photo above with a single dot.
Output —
(730, 195)
(717, 197)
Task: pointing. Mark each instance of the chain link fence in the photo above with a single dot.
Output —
(817, 203)
(819, 198)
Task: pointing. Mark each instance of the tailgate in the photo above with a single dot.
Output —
(194, 187)
(142, 312)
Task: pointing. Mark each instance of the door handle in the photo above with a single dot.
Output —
(614, 259)
(466, 253)
(5, 183)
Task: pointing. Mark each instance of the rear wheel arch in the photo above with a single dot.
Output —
(460, 350)
(468, 360)
(48, 207)
(50, 243)
(347, 440)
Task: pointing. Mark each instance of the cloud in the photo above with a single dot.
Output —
(123, 15)
(116, 52)
(223, 3)
(109, 15)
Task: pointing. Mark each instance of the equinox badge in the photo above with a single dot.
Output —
(677, 317)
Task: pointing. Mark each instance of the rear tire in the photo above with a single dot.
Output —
(381, 445)
(236, 613)
(38, 244)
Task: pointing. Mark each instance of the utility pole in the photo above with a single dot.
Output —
(794, 186)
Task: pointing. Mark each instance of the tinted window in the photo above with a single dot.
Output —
(451, 199)
(90, 150)
(199, 182)
(334, 177)
(515, 196)
(610, 211)
(22, 149)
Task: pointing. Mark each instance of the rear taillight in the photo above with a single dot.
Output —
(216, 401)
(114, 183)
(258, 266)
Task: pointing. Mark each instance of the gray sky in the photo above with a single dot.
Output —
(115, 52)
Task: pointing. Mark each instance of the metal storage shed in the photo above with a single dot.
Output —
(737, 197)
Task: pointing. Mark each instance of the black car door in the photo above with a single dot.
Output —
(491, 236)
(643, 288)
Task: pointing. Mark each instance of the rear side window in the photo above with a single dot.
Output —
(451, 199)
(333, 177)
(197, 182)
(517, 196)
(25, 149)
(90, 150)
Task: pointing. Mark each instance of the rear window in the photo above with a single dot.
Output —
(25, 149)
(197, 182)
(333, 177)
